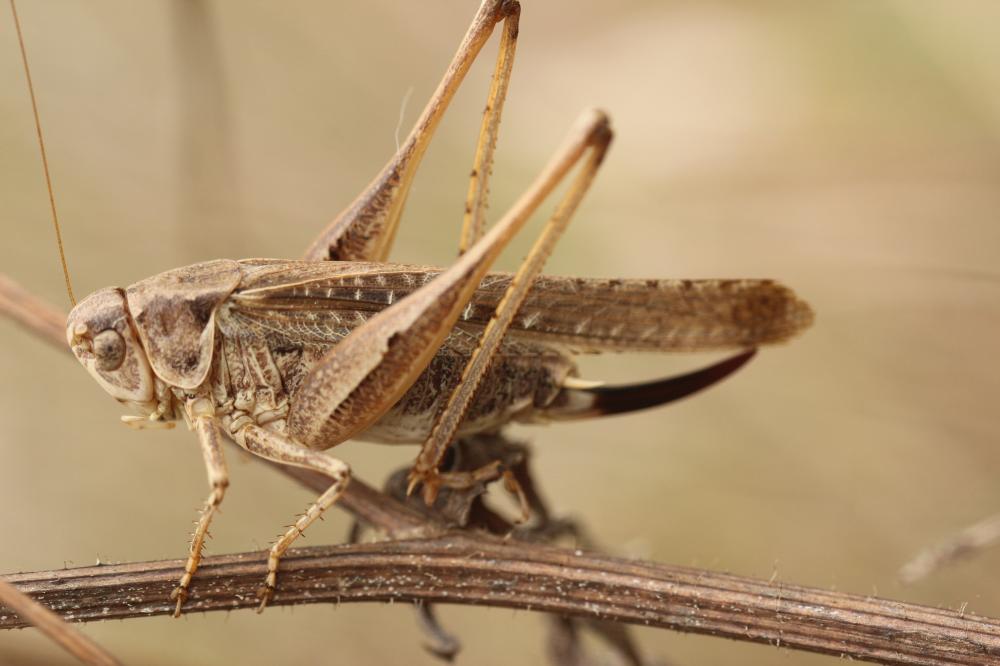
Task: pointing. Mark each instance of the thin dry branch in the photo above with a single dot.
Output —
(55, 627)
(40, 318)
(471, 569)
(966, 543)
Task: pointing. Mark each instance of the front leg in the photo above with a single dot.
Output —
(201, 416)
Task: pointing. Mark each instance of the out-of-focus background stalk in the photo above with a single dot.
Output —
(850, 149)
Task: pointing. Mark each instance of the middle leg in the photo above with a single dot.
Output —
(272, 446)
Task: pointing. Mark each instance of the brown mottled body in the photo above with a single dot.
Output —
(284, 316)
(248, 334)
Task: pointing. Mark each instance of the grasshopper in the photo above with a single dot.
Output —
(290, 358)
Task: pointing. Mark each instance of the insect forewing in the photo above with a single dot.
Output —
(582, 314)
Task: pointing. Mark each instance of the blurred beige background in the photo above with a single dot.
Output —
(850, 149)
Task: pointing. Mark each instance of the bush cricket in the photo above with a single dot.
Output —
(290, 358)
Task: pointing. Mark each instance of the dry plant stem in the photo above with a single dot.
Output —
(31, 312)
(964, 544)
(54, 627)
(466, 569)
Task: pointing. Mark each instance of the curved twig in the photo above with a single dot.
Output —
(55, 627)
(41, 319)
(966, 543)
(477, 569)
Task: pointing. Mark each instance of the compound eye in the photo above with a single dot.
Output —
(109, 350)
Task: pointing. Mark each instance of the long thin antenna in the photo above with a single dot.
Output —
(45, 159)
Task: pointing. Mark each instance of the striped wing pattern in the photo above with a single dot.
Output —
(324, 300)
